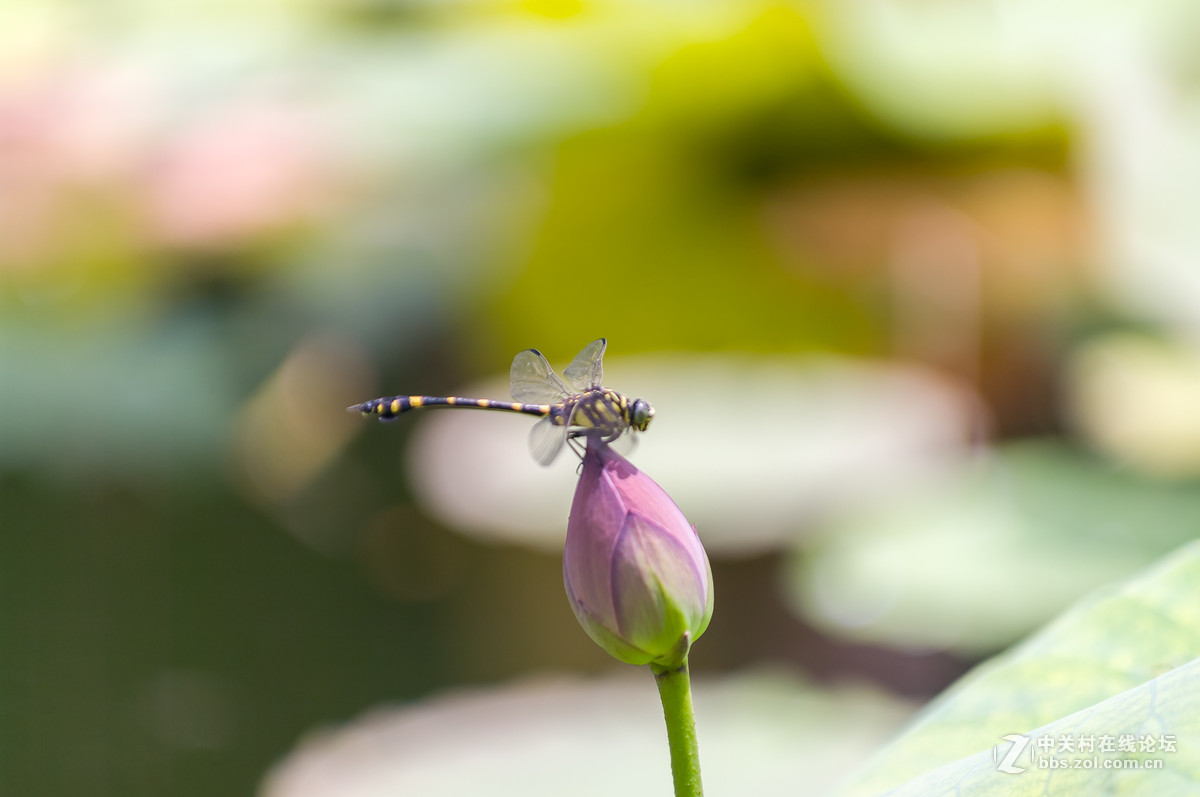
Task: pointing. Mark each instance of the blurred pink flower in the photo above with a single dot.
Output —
(636, 574)
(71, 137)
(103, 161)
(248, 170)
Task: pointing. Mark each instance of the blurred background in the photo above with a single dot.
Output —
(913, 287)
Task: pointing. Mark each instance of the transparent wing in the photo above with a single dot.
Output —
(546, 440)
(625, 444)
(586, 371)
(534, 381)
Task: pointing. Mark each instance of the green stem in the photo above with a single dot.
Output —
(675, 689)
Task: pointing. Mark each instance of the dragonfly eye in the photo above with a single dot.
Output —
(640, 414)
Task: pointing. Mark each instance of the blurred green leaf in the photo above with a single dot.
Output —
(854, 429)
(1105, 668)
(936, 567)
(761, 733)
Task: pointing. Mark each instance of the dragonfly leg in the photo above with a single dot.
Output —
(576, 446)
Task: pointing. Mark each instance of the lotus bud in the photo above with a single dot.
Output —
(636, 575)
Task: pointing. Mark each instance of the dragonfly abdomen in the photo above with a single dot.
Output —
(390, 407)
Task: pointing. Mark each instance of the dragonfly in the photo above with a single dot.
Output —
(571, 406)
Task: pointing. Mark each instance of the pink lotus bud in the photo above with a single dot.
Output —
(636, 574)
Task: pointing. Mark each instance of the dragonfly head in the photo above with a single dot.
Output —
(640, 414)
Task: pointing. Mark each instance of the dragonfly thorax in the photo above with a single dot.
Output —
(602, 411)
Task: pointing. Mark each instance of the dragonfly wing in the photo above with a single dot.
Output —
(534, 381)
(546, 440)
(625, 444)
(586, 371)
